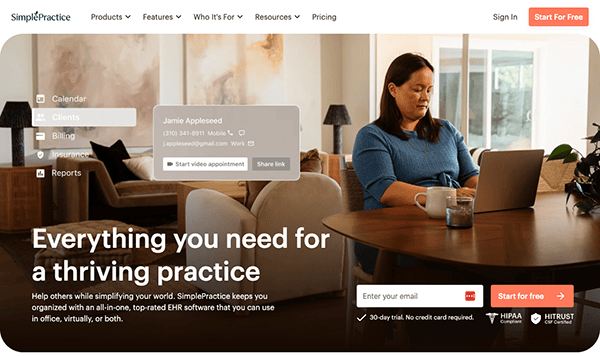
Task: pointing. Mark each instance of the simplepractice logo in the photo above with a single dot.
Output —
(37, 16)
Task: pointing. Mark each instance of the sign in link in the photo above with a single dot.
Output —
(419, 296)
(205, 164)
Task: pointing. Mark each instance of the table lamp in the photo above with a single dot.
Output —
(337, 115)
(16, 115)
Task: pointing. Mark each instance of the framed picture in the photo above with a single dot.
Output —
(233, 69)
(110, 71)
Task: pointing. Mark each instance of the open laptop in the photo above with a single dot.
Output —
(508, 180)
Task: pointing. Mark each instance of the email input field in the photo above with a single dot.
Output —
(419, 296)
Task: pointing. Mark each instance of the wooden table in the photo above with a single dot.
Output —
(234, 189)
(25, 199)
(542, 242)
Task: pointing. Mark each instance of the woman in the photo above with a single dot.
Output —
(399, 155)
(406, 150)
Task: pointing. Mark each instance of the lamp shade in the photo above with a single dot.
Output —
(16, 114)
(337, 115)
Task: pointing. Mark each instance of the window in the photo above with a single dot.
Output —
(502, 92)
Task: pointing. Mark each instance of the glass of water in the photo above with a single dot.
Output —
(459, 212)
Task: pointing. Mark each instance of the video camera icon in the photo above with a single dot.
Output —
(169, 164)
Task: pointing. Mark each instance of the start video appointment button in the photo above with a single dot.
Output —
(194, 164)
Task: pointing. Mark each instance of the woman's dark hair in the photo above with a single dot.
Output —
(390, 118)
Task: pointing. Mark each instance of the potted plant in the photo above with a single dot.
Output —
(587, 172)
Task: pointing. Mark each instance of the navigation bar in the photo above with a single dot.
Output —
(333, 17)
(308, 17)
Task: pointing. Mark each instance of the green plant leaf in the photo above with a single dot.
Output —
(572, 157)
(560, 152)
(584, 206)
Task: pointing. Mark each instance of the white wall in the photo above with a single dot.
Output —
(565, 117)
(331, 83)
(345, 79)
(302, 84)
(356, 85)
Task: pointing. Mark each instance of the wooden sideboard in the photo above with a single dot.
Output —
(25, 199)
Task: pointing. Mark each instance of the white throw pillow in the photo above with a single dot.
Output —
(140, 166)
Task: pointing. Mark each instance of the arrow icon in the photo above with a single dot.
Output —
(128, 16)
(240, 16)
(561, 296)
(178, 16)
(297, 16)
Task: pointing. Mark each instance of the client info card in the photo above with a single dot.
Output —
(226, 142)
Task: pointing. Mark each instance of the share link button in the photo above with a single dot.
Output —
(271, 164)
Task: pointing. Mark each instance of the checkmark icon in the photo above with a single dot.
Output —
(361, 318)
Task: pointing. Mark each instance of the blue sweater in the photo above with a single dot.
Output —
(380, 159)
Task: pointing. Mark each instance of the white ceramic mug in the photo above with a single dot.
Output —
(436, 201)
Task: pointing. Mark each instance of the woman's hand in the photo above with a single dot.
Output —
(465, 192)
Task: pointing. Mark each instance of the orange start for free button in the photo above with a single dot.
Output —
(532, 296)
(559, 16)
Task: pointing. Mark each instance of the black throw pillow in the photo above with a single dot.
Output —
(113, 157)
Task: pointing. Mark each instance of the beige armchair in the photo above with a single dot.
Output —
(284, 273)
